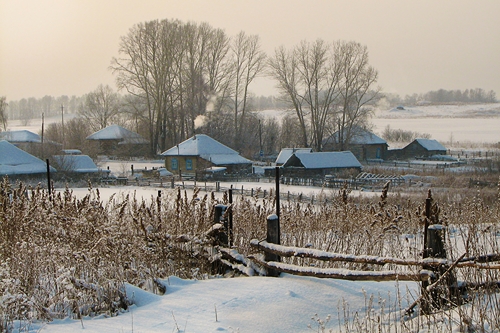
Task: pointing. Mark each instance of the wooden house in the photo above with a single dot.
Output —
(285, 154)
(200, 153)
(15, 162)
(119, 141)
(421, 148)
(364, 144)
(304, 164)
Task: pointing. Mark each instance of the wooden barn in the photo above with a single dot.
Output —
(118, 141)
(200, 153)
(304, 164)
(421, 148)
(364, 144)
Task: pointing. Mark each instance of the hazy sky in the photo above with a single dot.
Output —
(64, 47)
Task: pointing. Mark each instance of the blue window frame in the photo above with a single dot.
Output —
(174, 164)
(189, 164)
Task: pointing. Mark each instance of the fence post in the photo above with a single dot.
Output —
(434, 248)
(49, 187)
(273, 237)
(219, 211)
(230, 218)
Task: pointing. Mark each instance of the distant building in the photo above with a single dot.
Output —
(285, 154)
(364, 144)
(305, 164)
(201, 152)
(421, 148)
(119, 141)
(80, 164)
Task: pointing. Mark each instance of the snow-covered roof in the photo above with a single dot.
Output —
(285, 154)
(325, 160)
(431, 144)
(360, 136)
(76, 163)
(207, 148)
(115, 132)
(14, 161)
(20, 136)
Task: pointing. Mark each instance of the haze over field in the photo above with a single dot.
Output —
(58, 47)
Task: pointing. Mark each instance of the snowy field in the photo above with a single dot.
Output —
(247, 304)
(478, 123)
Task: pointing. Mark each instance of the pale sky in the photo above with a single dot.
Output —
(65, 47)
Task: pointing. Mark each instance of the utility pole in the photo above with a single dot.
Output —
(62, 122)
(43, 124)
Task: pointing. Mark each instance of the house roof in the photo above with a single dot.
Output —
(14, 161)
(207, 148)
(20, 136)
(431, 144)
(360, 136)
(76, 163)
(285, 154)
(115, 132)
(324, 160)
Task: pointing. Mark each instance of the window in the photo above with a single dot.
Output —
(378, 153)
(174, 164)
(189, 164)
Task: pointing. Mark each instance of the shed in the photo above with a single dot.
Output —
(422, 148)
(321, 164)
(200, 152)
(116, 140)
(364, 144)
(76, 164)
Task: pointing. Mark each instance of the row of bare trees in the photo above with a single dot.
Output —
(183, 78)
(176, 72)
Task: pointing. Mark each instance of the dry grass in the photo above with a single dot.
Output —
(61, 256)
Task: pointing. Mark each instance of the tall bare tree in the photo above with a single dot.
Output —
(357, 78)
(327, 85)
(3, 113)
(247, 63)
(308, 78)
(100, 107)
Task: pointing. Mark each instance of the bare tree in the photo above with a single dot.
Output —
(100, 107)
(309, 78)
(3, 113)
(247, 64)
(357, 78)
(327, 86)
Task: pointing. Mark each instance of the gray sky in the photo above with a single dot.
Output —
(64, 47)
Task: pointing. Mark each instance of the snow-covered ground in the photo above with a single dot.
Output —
(247, 304)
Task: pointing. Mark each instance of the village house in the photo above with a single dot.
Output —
(419, 149)
(16, 162)
(364, 144)
(285, 154)
(118, 141)
(201, 153)
(310, 164)
(31, 143)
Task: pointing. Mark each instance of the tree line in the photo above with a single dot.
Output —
(443, 96)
